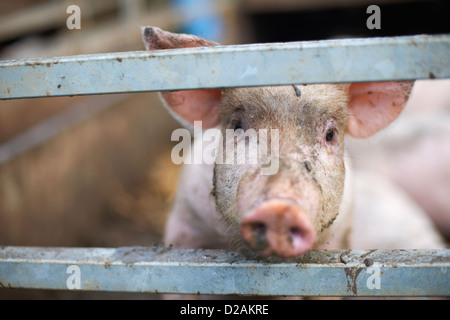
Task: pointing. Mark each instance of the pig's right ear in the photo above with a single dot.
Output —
(191, 105)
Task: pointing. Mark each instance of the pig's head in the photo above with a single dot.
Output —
(289, 212)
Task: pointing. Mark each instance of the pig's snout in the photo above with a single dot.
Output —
(278, 227)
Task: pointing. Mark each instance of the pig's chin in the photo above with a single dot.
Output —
(278, 227)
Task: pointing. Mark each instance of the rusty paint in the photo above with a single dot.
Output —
(351, 275)
(316, 273)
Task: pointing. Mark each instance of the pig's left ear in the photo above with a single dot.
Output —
(191, 105)
(374, 105)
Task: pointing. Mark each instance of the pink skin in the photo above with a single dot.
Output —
(372, 103)
(278, 212)
(278, 227)
(297, 209)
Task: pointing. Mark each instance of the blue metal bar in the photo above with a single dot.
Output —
(349, 60)
(166, 270)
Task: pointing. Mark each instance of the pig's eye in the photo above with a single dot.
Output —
(236, 124)
(330, 135)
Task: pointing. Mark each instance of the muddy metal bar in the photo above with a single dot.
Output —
(166, 270)
(349, 60)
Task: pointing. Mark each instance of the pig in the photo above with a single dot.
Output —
(414, 153)
(307, 204)
(385, 216)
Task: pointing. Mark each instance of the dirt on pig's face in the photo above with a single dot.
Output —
(288, 212)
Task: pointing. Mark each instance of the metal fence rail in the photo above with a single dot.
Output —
(350, 60)
(166, 270)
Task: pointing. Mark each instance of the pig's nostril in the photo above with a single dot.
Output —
(296, 232)
(277, 227)
(259, 228)
(259, 233)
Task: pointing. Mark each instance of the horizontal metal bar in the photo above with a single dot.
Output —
(349, 60)
(167, 270)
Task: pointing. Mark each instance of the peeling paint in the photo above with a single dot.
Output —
(351, 275)
(345, 60)
(165, 270)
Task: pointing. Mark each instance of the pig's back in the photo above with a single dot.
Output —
(385, 217)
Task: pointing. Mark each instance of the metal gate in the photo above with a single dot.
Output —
(167, 270)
